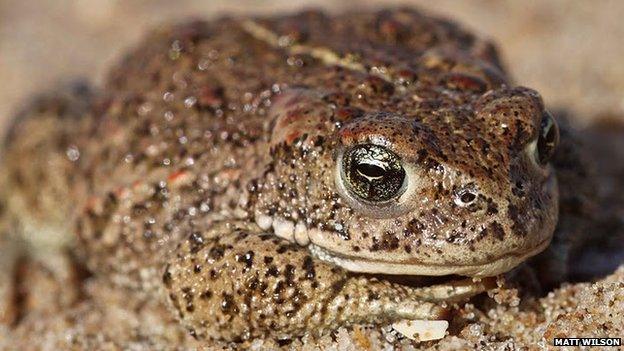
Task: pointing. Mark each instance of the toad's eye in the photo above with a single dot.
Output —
(373, 173)
(547, 140)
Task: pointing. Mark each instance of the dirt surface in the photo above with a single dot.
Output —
(568, 50)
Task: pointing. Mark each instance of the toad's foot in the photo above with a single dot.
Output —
(239, 283)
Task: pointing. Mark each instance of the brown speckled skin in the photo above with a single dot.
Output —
(207, 128)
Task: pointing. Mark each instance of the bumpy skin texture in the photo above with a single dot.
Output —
(208, 172)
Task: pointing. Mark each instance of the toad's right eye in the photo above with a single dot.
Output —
(373, 173)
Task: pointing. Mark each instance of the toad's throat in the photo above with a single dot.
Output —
(494, 267)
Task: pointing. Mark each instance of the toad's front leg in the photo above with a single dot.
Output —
(239, 283)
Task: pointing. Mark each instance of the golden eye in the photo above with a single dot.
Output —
(373, 173)
(547, 140)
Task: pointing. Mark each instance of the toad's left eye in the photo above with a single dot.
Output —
(547, 140)
(373, 173)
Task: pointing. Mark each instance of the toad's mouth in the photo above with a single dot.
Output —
(313, 239)
(493, 267)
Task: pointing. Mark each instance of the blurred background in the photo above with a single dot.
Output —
(570, 51)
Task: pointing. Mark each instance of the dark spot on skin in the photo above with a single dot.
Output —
(206, 295)
(187, 295)
(518, 226)
(284, 342)
(389, 242)
(174, 300)
(421, 155)
(197, 269)
(308, 267)
(434, 166)
(167, 277)
(196, 242)
(497, 230)
(319, 141)
(464, 82)
(272, 271)
(492, 208)
(414, 227)
(227, 303)
(372, 296)
(268, 259)
(375, 246)
(263, 287)
(254, 283)
(518, 189)
(513, 213)
(348, 113)
(455, 237)
(281, 249)
(241, 235)
(246, 258)
(407, 76)
(289, 273)
(216, 252)
(210, 97)
(338, 285)
(379, 85)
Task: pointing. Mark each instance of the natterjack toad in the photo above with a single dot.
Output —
(274, 177)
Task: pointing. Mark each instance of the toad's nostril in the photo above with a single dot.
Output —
(465, 197)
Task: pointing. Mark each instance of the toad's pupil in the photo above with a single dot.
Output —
(370, 171)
